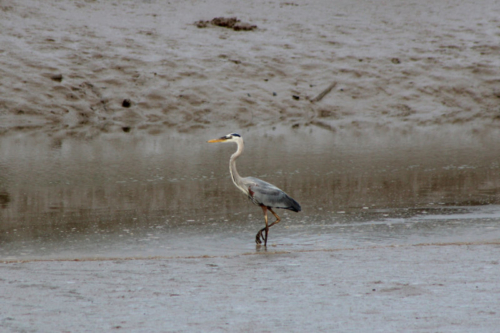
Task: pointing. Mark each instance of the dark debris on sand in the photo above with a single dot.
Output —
(227, 22)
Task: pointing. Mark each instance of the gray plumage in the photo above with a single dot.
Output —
(261, 193)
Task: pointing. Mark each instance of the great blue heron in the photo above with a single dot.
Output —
(263, 194)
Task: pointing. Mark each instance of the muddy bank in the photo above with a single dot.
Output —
(146, 66)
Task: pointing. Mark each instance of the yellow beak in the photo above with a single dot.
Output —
(216, 140)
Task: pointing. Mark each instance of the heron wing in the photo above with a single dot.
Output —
(266, 194)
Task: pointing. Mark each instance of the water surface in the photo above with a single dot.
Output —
(136, 195)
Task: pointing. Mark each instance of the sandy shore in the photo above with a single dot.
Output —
(83, 68)
(426, 288)
(86, 67)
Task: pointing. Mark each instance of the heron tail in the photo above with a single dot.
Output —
(294, 205)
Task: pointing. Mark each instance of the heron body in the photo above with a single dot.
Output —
(261, 193)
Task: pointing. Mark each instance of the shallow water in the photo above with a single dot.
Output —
(137, 195)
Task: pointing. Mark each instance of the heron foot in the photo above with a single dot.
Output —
(257, 238)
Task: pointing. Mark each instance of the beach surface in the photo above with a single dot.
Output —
(381, 118)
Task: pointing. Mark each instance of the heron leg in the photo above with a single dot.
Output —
(278, 219)
(266, 229)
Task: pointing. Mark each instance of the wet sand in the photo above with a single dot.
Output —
(116, 214)
(450, 288)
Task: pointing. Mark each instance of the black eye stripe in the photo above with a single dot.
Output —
(229, 136)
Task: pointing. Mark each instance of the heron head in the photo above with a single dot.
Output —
(233, 137)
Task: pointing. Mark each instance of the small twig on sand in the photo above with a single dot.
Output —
(323, 93)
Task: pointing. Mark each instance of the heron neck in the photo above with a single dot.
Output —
(235, 176)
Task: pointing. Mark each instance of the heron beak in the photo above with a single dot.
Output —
(217, 140)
